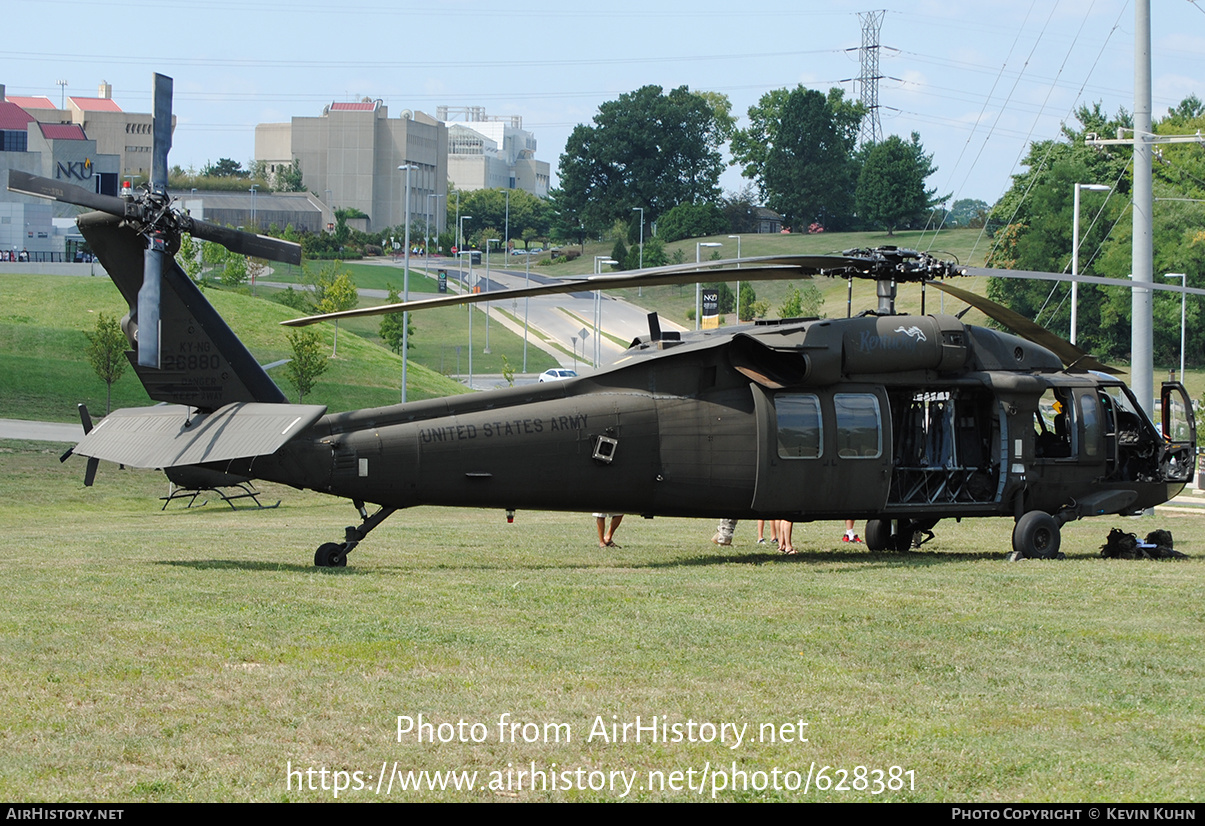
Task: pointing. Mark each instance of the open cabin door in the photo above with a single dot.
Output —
(823, 453)
(1179, 434)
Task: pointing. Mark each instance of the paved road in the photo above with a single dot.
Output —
(559, 317)
(40, 431)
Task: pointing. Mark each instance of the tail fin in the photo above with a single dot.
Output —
(203, 364)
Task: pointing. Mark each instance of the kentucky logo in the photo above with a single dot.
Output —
(913, 332)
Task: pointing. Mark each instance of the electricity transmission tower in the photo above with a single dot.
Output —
(868, 80)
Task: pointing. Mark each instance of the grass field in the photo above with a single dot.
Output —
(44, 373)
(197, 654)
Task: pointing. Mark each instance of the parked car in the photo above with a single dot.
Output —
(557, 374)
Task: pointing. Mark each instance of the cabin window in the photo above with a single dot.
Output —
(1090, 416)
(1054, 426)
(859, 426)
(799, 427)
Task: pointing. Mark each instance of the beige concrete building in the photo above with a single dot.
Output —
(125, 134)
(60, 151)
(349, 157)
(487, 152)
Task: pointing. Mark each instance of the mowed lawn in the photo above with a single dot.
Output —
(196, 654)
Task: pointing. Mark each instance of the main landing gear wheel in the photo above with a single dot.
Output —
(330, 555)
(1036, 536)
(902, 541)
(880, 537)
(878, 534)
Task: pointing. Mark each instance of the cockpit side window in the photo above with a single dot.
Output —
(1090, 418)
(1054, 425)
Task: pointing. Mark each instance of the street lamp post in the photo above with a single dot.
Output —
(427, 245)
(1183, 283)
(252, 191)
(406, 279)
(488, 243)
(460, 231)
(738, 283)
(1075, 254)
(698, 284)
(641, 211)
(460, 254)
(526, 307)
(599, 260)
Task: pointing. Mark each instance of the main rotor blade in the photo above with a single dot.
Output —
(161, 136)
(1068, 353)
(244, 243)
(1095, 280)
(40, 187)
(767, 270)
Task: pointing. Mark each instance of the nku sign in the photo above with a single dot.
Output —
(80, 170)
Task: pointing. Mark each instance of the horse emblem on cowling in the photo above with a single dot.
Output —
(913, 332)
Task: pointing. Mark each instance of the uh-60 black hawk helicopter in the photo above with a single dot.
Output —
(903, 420)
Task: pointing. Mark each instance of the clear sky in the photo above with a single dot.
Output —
(978, 79)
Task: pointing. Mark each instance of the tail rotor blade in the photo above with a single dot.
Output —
(148, 303)
(85, 418)
(90, 472)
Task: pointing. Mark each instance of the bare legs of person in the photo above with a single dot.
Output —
(784, 536)
(761, 531)
(606, 538)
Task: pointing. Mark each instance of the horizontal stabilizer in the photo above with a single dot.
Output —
(168, 436)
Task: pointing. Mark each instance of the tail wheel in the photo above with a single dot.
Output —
(330, 555)
(1036, 536)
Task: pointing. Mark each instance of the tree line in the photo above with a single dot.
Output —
(1031, 228)
(661, 153)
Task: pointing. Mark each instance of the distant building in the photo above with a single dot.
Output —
(54, 148)
(349, 157)
(255, 213)
(767, 220)
(128, 135)
(486, 152)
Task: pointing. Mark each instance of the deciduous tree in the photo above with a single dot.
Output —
(189, 256)
(393, 324)
(308, 362)
(106, 352)
(648, 149)
(225, 168)
(691, 221)
(1036, 220)
(288, 178)
(805, 303)
(334, 291)
(799, 150)
(891, 186)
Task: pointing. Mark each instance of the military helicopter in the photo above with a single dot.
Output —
(902, 420)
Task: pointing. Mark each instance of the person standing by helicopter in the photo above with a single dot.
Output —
(606, 538)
